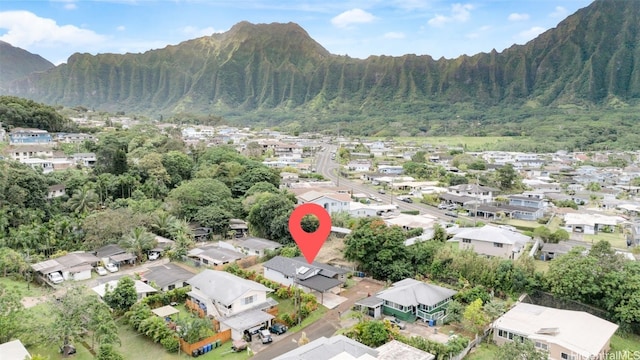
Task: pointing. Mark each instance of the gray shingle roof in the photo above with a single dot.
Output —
(223, 286)
(167, 274)
(410, 292)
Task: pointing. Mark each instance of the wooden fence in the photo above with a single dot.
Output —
(223, 336)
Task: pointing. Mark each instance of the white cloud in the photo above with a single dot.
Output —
(394, 35)
(70, 6)
(479, 32)
(559, 12)
(518, 17)
(353, 16)
(121, 28)
(411, 4)
(530, 33)
(459, 13)
(25, 29)
(194, 31)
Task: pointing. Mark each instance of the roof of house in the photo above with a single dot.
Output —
(577, 331)
(14, 350)
(291, 267)
(329, 348)
(223, 286)
(456, 198)
(258, 244)
(320, 283)
(109, 250)
(410, 292)
(216, 254)
(141, 288)
(65, 262)
(246, 319)
(167, 274)
(394, 350)
(493, 234)
(591, 219)
(371, 301)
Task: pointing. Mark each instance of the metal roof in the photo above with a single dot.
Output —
(410, 292)
(224, 287)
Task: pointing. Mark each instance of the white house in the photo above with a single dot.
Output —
(142, 290)
(492, 241)
(310, 277)
(591, 223)
(238, 304)
(482, 193)
(358, 209)
(333, 202)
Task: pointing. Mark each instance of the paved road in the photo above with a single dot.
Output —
(328, 168)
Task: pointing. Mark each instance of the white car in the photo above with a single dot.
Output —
(101, 271)
(111, 267)
(154, 255)
(56, 278)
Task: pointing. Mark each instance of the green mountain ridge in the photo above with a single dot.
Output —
(16, 63)
(276, 71)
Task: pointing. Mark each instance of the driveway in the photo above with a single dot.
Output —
(327, 326)
(330, 300)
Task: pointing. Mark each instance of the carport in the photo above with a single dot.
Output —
(322, 285)
(245, 321)
(165, 311)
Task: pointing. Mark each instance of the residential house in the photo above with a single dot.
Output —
(550, 251)
(410, 299)
(72, 266)
(240, 227)
(340, 347)
(359, 165)
(74, 138)
(14, 350)
(142, 290)
(483, 194)
(391, 169)
(564, 334)
(358, 209)
(252, 246)
(56, 191)
(214, 255)
(238, 304)
(591, 223)
(28, 136)
(314, 277)
(493, 241)
(531, 201)
(331, 201)
(112, 253)
(24, 152)
(410, 222)
(167, 276)
(85, 159)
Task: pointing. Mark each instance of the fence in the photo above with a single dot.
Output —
(473, 343)
(222, 336)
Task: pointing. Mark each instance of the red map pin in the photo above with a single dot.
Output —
(310, 243)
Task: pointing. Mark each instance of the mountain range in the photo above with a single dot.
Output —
(277, 71)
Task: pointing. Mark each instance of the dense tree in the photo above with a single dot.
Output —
(138, 242)
(520, 349)
(83, 200)
(187, 199)
(179, 166)
(372, 333)
(378, 249)
(23, 193)
(474, 317)
(123, 296)
(261, 187)
(269, 217)
(110, 226)
(108, 352)
(20, 112)
(507, 177)
(214, 216)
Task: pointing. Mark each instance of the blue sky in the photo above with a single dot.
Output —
(58, 28)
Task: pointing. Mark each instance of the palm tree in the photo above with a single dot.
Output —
(163, 223)
(83, 199)
(138, 241)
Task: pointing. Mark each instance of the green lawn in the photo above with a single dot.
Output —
(285, 306)
(541, 266)
(483, 352)
(315, 316)
(629, 342)
(30, 290)
(225, 352)
(616, 239)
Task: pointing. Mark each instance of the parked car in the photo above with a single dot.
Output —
(154, 255)
(101, 271)
(451, 213)
(278, 329)
(265, 336)
(406, 199)
(56, 277)
(397, 323)
(381, 191)
(111, 267)
(443, 206)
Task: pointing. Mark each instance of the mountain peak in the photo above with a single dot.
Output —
(16, 63)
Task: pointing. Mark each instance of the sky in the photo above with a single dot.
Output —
(56, 29)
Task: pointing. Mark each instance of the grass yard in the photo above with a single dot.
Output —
(616, 239)
(285, 306)
(225, 352)
(30, 290)
(541, 266)
(628, 342)
(483, 352)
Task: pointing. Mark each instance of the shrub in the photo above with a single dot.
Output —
(171, 343)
